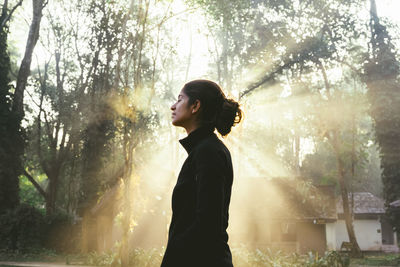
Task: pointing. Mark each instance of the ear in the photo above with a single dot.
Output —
(196, 106)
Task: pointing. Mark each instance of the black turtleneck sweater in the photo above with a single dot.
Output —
(200, 203)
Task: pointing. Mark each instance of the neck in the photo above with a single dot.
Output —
(196, 126)
(191, 128)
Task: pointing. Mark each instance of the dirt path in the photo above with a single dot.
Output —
(39, 264)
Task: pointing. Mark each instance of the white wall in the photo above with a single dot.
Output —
(366, 231)
(330, 236)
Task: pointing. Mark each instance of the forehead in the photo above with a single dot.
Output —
(182, 94)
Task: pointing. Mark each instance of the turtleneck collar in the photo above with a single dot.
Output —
(190, 142)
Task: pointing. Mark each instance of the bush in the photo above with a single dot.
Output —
(243, 257)
(26, 229)
(145, 258)
(137, 257)
(61, 234)
(21, 229)
(103, 259)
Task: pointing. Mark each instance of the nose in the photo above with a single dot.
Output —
(173, 107)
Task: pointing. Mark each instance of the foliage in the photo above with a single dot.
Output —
(11, 139)
(243, 257)
(31, 254)
(145, 258)
(379, 260)
(382, 71)
(137, 257)
(102, 259)
(22, 228)
(320, 167)
(61, 234)
(27, 230)
(29, 195)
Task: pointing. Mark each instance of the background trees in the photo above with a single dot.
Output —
(8, 176)
(12, 144)
(381, 76)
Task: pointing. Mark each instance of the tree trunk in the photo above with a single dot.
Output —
(355, 250)
(226, 77)
(51, 194)
(24, 70)
(11, 144)
(297, 152)
(334, 140)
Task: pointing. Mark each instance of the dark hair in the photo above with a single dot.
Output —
(215, 110)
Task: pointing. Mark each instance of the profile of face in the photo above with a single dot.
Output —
(183, 114)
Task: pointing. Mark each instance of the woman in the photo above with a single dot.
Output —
(200, 200)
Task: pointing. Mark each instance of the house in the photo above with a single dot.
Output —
(287, 214)
(372, 228)
(292, 215)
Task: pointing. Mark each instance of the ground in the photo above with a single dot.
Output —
(49, 259)
(38, 264)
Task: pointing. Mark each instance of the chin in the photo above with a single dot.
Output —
(177, 124)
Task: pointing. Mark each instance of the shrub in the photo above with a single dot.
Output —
(244, 257)
(26, 229)
(22, 228)
(145, 257)
(102, 259)
(61, 233)
(137, 257)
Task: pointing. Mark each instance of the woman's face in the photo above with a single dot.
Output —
(182, 114)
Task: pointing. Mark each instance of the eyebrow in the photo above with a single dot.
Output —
(180, 96)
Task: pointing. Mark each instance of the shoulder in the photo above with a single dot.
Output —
(211, 149)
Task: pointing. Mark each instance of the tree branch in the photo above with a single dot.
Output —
(35, 184)
(325, 76)
(267, 78)
(6, 19)
(24, 70)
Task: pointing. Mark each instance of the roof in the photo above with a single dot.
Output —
(284, 199)
(395, 204)
(364, 203)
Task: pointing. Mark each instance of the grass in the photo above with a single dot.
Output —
(41, 255)
(378, 259)
(44, 255)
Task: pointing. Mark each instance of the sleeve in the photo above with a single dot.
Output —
(210, 167)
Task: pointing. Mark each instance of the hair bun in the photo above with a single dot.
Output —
(215, 110)
(230, 115)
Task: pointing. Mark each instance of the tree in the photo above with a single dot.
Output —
(11, 138)
(381, 76)
(310, 51)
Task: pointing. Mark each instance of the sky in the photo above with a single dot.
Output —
(390, 9)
